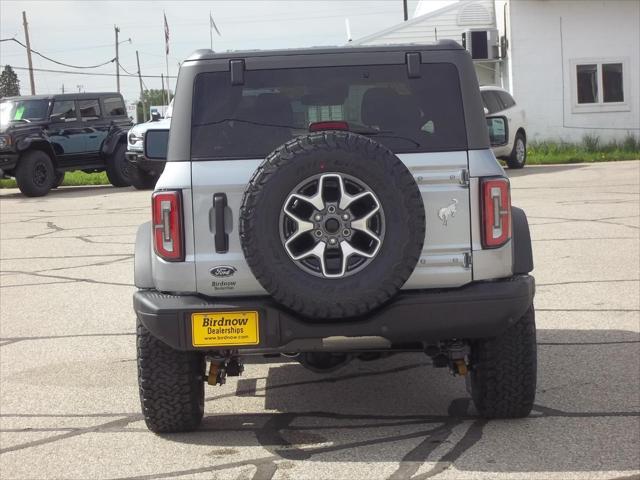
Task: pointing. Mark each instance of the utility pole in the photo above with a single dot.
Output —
(406, 12)
(63, 88)
(144, 112)
(117, 59)
(26, 36)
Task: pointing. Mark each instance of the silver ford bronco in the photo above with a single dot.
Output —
(328, 205)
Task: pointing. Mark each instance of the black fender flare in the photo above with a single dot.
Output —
(115, 137)
(37, 143)
(142, 275)
(521, 240)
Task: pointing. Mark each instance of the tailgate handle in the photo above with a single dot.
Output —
(221, 237)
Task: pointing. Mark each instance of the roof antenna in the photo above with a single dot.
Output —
(348, 27)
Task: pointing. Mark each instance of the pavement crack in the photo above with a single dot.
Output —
(580, 282)
(61, 277)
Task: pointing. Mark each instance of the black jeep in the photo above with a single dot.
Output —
(44, 136)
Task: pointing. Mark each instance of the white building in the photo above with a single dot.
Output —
(574, 65)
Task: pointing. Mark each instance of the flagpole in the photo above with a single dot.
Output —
(166, 54)
(212, 26)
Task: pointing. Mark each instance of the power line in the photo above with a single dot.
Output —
(96, 74)
(51, 59)
(128, 72)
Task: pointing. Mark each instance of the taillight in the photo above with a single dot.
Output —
(167, 225)
(329, 125)
(496, 212)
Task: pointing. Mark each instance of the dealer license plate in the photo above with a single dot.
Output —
(214, 329)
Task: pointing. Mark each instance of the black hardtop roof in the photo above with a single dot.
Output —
(207, 54)
(65, 96)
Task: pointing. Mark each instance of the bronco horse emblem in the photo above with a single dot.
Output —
(449, 211)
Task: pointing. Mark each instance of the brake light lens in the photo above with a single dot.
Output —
(496, 212)
(168, 230)
(331, 125)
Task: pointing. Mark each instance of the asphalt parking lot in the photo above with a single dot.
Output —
(68, 394)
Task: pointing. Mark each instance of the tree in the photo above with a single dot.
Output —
(9, 83)
(150, 98)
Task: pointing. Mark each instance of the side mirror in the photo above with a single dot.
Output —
(56, 118)
(155, 116)
(498, 131)
(155, 144)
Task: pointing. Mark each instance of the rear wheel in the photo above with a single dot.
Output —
(518, 156)
(35, 174)
(118, 167)
(503, 371)
(171, 385)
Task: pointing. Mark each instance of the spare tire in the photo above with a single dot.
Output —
(332, 225)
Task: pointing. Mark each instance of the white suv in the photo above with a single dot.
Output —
(507, 123)
(143, 171)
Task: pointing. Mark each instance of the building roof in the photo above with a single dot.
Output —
(405, 24)
(446, 22)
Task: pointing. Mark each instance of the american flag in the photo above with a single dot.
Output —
(166, 33)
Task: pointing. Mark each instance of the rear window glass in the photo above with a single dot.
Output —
(89, 109)
(114, 107)
(506, 99)
(405, 114)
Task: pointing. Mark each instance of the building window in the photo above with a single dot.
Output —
(599, 86)
(612, 83)
(587, 83)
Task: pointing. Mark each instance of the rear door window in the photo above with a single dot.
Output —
(273, 106)
(65, 109)
(114, 107)
(89, 109)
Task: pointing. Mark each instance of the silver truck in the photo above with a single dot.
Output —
(331, 204)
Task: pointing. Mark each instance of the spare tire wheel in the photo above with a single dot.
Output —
(332, 224)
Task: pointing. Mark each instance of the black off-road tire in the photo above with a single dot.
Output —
(58, 180)
(117, 167)
(142, 180)
(171, 385)
(317, 297)
(503, 371)
(518, 160)
(35, 174)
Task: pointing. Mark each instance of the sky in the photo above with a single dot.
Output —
(82, 33)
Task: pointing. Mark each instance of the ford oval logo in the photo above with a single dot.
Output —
(223, 271)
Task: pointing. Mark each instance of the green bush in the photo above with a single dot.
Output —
(70, 178)
(589, 150)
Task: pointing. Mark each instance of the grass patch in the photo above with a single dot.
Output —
(70, 179)
(589, 151)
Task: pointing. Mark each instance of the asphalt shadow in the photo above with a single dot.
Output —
(585, 419)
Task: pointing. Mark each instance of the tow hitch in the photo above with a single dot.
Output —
(219, 368)
(454, 355)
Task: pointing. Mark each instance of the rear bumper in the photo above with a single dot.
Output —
(479, 310)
